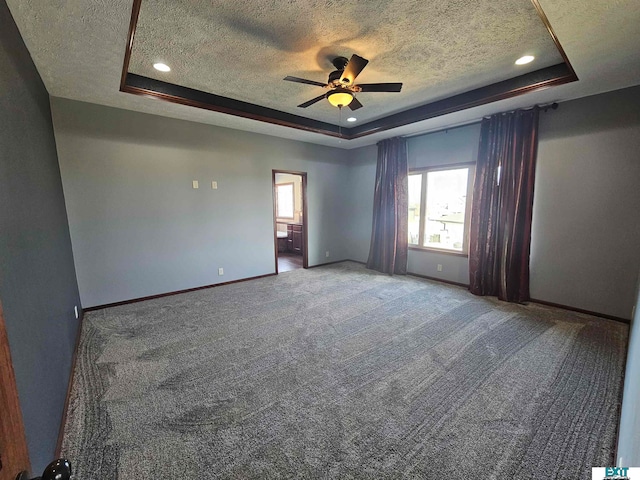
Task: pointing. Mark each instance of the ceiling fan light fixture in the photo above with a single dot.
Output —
(524, 60)
(340, 97)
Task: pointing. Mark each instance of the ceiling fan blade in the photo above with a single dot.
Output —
(304, 80)
(355, 104)
(311, 102)
(381, 87)
(354, 67)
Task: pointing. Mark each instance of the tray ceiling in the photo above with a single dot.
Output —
(243, 50)
(79, 50)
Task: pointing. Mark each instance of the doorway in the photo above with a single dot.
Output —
(290, 220)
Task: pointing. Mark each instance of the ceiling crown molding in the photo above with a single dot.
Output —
(559, 74)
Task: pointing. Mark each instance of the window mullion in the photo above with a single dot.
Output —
(423, 208)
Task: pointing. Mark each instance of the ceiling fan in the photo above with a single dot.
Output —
(341, 88)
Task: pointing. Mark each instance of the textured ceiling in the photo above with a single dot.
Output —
(243, 50)
(78, 47)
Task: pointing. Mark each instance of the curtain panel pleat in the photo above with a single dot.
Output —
(502, 206)
(389, 237)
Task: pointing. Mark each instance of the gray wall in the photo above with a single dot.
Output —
(629, 436)
(38, 286)
(361, 175)
(138, 228)
(584, 248)
(586, 212)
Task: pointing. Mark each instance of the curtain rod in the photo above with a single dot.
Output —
(543, 107)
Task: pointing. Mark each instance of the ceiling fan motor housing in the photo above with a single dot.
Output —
(335, 76)
(340, 63)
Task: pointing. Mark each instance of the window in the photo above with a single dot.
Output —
(284, 200)
(439, 207)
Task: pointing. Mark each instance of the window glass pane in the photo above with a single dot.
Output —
(285, 200)
(446, 202)
(415, 188)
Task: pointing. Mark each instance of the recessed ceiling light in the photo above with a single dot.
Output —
(524, 60)
(162, 67)
(351, 119)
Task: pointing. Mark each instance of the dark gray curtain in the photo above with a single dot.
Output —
(388, 251)
(500, 231)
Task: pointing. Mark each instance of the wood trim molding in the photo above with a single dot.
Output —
(533, 300)
(540, 79)
(580, 310)
(13, 442)
(441, 280)
(149, 87)
(305, 222)
(63, 422)
(418, 248)
(204, 287)
(275, 220)
(554, 37)
(177, 292)
(513, 87)
(133, 23)
(334, 262)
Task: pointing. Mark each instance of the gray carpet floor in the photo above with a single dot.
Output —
(340, 372)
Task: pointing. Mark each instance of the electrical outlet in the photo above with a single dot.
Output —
(221, 271)
(214, 185)
(327, 254)
(75, 310)
(439, 267)
(195, 184)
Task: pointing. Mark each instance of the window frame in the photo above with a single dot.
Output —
(293, 200)
(423, 207)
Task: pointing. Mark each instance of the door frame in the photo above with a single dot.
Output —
(305, 216)
(13, 442)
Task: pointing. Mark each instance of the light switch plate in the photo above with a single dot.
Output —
(214, 185)
(195, 184)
